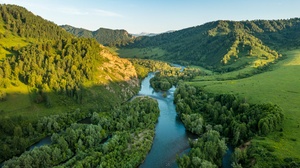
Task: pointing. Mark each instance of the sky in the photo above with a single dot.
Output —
(155, 16)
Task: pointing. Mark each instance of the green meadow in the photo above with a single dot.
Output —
(281, 86)
(146, 53)
(21, 104)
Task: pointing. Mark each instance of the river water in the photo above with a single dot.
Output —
(171, 138)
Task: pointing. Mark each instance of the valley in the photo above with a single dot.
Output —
(239, 88)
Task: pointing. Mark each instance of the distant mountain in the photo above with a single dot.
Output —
(223, 44)
(144, 34)
(78, 31)
(104, 36)
(150, 34)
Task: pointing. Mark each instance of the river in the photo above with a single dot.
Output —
(171, 138)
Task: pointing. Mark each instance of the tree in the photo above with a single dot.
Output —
(56, 155)
(30, 129)
(208, 148)
(2, 95)
(18, 131)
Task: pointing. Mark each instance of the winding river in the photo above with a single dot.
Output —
(171, 138)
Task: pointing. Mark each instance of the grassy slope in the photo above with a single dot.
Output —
(19, 103)
(279, 86)
(149, 53)
(9, 41)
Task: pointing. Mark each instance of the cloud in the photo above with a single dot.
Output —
(84, 12)
(101, 12)
(67, 10)
(72, 11)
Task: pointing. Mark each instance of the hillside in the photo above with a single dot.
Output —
(47, 73)
(220, 45)
(107, 37)
(19, 27)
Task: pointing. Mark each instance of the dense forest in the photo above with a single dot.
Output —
(63, 66)
(23, 23)
(107, 37)
(120, 138)
(225, 115)
(224, 45)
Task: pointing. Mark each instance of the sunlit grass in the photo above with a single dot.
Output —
(208, 72)
(10, 41)
(149, 53)
(20, 103)
(214, 76)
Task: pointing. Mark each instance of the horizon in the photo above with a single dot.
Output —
(155, 17)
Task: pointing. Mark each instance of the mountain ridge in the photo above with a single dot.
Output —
(223, 44)
(105, 36)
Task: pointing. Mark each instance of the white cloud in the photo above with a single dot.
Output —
(72, 11)
(101, 12)
(84, 12)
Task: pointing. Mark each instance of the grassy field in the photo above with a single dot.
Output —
(146, 53)
(280, 86)
(20, 103)
(212, 76)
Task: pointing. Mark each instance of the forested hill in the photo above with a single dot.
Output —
(47, 73)
(41, 54)
(224, 43)
(104, 36)
(23, 23)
